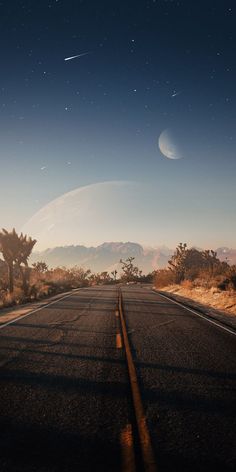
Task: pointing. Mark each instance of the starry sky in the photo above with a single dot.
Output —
(149, 66)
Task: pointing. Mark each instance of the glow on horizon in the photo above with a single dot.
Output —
(118, 211)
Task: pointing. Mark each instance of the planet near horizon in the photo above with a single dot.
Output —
(92, 215)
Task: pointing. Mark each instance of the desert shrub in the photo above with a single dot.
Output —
(45, 282)
(223, 285)
(188, 284)
(192, 264)
(8, 299)
(208, 282)
(233, 281)
(164, 277)
(228, 283)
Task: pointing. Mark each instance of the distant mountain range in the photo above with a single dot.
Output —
(104, 257)
(107, 256)
(226, 254)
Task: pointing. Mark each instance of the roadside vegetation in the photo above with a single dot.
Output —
(20, 283)
(199, 275)
(192, 273)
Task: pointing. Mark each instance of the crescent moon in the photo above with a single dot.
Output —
(167, 145)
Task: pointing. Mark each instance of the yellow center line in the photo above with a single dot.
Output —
(127, 449)
(118, 341)
(148, 456)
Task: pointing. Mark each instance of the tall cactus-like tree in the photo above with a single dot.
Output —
(40, 267)
(16, 250)
(114, 274)
(26, 245)
(130, 271)
(9, 247)
(177, 262)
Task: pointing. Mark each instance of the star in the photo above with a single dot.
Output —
(174, 94)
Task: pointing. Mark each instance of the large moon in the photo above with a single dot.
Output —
(168, 146)
(94, 214)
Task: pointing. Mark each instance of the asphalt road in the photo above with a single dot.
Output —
(65, 400)
(64, 392)
(187, 372)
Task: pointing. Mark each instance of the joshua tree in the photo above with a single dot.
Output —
(40, 267)
(114, 273)
(211, 261)
(15, 249)
(9, 247)
(105, 277)
(131, 272)
(177, 262)
(26, 245)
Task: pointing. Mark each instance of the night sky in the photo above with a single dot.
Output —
(151, 66)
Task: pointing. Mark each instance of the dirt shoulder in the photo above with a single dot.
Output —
(9, 314)
(214, 303)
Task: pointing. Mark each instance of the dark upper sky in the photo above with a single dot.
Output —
(151, 65)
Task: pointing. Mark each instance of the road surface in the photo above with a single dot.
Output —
(65, 402)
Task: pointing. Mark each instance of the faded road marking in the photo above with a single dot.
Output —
(127, 449)
(118, 341)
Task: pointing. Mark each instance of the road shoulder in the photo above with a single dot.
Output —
(221, 316)
(8, 315)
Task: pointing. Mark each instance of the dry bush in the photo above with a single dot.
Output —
(9, 299)
(60, 279)
(42, 284)
(163, 278)
(208, 282)
(228, 283)
(187, 284)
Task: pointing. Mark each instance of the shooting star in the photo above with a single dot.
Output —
(74, 57)
(174, 94)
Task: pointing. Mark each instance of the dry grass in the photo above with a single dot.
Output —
(10, 299)
(163, 278)
(43, 285)
(214, 297)
(187, 284)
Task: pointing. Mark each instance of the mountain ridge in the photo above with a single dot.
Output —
(106, 256)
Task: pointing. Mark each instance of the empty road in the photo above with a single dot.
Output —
(66, 404)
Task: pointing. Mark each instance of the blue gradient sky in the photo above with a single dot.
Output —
(98, 118)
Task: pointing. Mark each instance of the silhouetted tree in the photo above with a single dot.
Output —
(16, 250)
(177, 262)
(26, 245)
(114, 274)
(212, 262)
(9, 247)
(131, 272)
(105, 277)
(40, 267)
